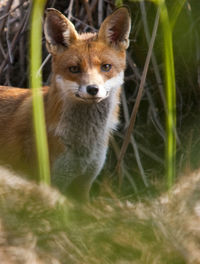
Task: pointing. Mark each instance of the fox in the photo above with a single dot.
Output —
(81, 103)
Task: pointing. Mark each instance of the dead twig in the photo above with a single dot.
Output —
(88, 11)
(100, 12)
(133, 142)
(15, 38)
(153, 57)
(140, 93)
(70, 9)
(10, 11)
(6, 10)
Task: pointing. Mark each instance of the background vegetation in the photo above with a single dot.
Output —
(144, 161)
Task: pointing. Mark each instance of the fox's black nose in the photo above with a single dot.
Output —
(92, 89)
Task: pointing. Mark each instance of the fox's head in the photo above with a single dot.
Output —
(88, 66)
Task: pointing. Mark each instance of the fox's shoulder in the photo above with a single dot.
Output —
(7, 92)
(12, 97)
(15, 92)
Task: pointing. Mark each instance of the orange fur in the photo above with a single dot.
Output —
(88, 52)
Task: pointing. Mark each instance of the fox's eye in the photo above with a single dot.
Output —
(106, 67)
(75, 69)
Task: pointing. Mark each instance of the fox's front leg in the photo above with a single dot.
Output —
(72, 177)
(79, 189)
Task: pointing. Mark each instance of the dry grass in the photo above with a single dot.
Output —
(38, 225)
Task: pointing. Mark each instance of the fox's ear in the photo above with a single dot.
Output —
(116, 28)
(58, 30)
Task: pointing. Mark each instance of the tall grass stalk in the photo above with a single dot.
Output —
(170, 94)
(36, 83)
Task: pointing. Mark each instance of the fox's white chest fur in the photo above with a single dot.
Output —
(88, 70)
(84, 129)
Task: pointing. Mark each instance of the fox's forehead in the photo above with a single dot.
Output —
(88, 52)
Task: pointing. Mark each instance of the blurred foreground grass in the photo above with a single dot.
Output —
(145, 160)
(33, 226)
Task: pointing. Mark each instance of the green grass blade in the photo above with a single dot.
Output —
(170, 94)
(119, 3)
(177, 7)
(36, 83)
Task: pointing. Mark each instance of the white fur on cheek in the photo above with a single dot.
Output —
(102, 91)
(66, 87)
(115, 81)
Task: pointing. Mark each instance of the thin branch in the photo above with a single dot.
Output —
(133, 142)
(153, 57)
(123, 171)
(89, 14)
(16, 37)
(10, 11)
(44, 63)
(8, 41)
(83, 23)
(140, 93)
(7, 8)
(70, 9)
(100, 12)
